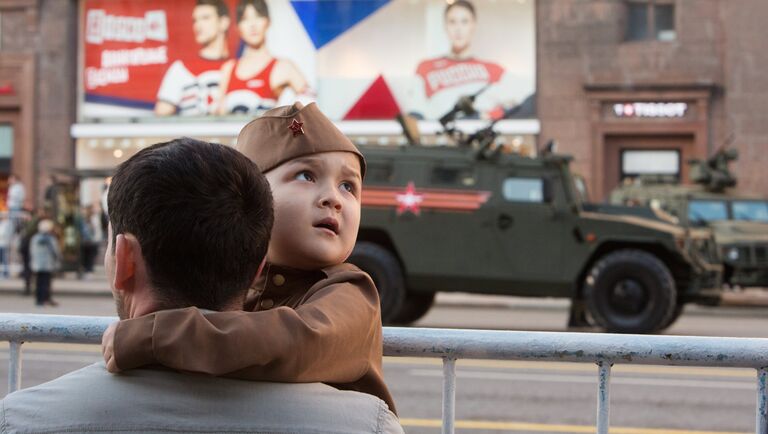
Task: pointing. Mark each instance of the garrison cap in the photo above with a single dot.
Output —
(289, 132)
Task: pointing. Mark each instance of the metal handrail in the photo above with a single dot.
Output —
(451, 345)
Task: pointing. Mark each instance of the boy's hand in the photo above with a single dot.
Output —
(108, 348)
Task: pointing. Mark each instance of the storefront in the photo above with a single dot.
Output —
(17, 111)
(649, 130)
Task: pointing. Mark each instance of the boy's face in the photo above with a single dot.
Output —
(317, 210)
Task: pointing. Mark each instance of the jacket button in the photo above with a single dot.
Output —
(266, 304)
(278, 279)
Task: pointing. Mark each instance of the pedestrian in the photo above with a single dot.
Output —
(6, 236)
(45, 255)
(90, 237)
(29, 230)
(15, 200)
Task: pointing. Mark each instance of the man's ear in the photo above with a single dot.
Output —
(127, 255)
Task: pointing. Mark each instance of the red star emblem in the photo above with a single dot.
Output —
(409, 201)
(296, 127)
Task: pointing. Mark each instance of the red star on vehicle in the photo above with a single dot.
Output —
(409, 201)
(296, 127)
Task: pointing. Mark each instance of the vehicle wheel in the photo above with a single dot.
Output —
(385, 270)
(415, 306)
(630, 291)
(679, 307)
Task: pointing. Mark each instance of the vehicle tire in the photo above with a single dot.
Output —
(387, 274)
(415, 306)
(679, 307)
(630, 291)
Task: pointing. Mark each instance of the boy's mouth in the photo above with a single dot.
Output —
(329, 223)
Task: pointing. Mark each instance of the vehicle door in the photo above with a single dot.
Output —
(531, 224)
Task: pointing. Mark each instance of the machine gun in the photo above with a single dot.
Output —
(482, 139)
(713, 173)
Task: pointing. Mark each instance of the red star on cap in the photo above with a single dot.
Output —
(410, 200)
(296, 127)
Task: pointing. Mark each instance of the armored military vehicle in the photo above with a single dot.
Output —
(739, 221)
(473, 218)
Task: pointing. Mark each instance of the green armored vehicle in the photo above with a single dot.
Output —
(473, 218)
(739, 221)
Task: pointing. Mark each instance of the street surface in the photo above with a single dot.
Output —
(495, 396)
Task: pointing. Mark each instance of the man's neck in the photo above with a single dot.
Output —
(215, 50)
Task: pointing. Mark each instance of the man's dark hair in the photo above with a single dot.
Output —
(466, 4)
(202, 213)
(221, 8)
(259, 5)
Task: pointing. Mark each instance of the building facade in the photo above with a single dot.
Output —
(38, 76)
(627, 87)
(642, 86)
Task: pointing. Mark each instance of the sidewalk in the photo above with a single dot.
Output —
(96, 285)
(67, 284)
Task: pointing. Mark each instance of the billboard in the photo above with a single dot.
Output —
(359, 59)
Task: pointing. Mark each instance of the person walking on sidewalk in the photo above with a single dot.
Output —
(45, 256)
(6, 236)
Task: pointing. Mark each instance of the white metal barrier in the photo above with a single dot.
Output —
(451, 345)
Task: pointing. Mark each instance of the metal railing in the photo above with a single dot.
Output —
(451, 345)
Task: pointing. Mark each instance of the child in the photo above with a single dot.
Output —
(45, 256)
(313, 317)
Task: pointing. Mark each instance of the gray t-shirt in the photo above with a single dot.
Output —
(161, 401)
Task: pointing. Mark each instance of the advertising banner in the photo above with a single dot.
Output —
(359, 59)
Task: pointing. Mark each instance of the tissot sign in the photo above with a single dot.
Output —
(650, 109)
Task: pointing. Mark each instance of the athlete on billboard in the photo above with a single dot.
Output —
(253, 83)
(447, 78)
(191, 86)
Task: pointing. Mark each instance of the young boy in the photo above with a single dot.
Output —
(311, 317)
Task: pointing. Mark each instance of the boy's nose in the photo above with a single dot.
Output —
(330, 198)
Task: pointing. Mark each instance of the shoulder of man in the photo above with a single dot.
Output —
(141, 400)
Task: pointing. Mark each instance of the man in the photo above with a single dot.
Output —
(191, 86)
(189, 226)
(458, 73)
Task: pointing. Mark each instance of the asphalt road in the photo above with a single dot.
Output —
(519, 397)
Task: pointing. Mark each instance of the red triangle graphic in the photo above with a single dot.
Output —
(376, 103)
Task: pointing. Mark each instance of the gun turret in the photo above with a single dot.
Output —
(713, 173)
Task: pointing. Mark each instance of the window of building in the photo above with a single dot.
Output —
(650, 19)
(659, 162)
(524, 190)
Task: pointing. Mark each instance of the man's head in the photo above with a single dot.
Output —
(253, 21)
(189, 226)
(210, 21)
(316, 177)
(460, 19)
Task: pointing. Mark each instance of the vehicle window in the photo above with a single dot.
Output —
(750, 210)
(452, 175)
(700, 212)
(376, 172)
(523, 190)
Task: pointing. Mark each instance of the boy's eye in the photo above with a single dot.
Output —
(350, 187)
(304, 175)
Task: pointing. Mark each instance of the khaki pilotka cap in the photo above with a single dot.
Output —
(289, 132)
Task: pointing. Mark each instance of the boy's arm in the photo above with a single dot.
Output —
(331, 337)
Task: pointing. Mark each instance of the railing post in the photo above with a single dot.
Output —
(449, 394)
(603, 397)
(762, 401)
(14, 367)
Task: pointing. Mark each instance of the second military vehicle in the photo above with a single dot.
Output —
(473, 218)
(739, 221)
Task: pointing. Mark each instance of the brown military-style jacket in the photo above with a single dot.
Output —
(298, 327)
